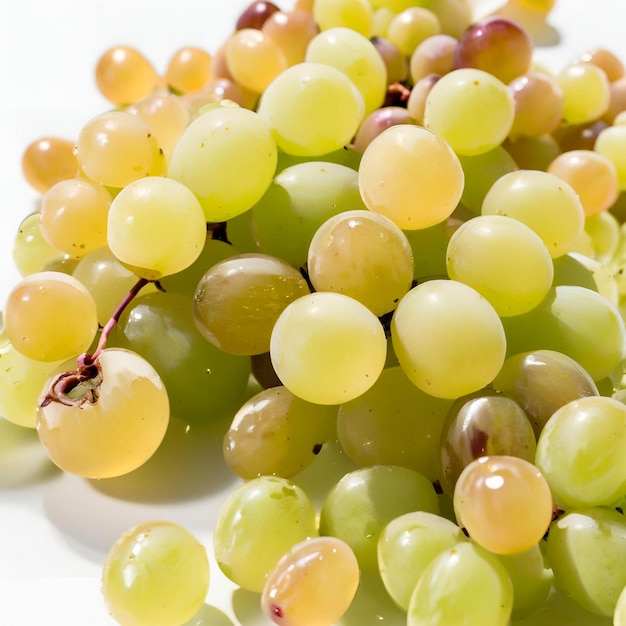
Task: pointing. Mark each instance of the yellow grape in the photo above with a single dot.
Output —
(48, 160)
(188, 70)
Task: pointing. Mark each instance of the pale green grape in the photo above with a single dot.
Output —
(504, 503)
(313, 583)
(587, 550)
(462, 585)
(353, 14)
(156, 227)
(260, 521)
(300, 199)
(604, 230)
(406, 547)
(585, 90)
(504, 260)
(610, 144)
(212, 153)
(328, 348)
(582, 452)
(312, 109)
(202, 381)
(356, 56)
(364, 501)
(576, 321)
(110, 422)
(274, 432)
(455, 110)
(525, 194)
(411, 176)
(409, 28)
(50, 316)
(448, 339)
(137, 582)
(393, 423)
(238, 301)
(31, 250)
(363, 255)
(116, 148)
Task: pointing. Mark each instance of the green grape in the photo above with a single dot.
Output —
(504, 503)
(576, 321)
(524, 194)
(363, 255)
(610, 144)
(225, 141)
(356, 56)
(533, 153)
(50, 316)
(406, 547)
(455, 109)
(401, 160)
(585, 90)
(619, 617)
(455, 16)
(156, 227)
(481, 424)
(312, 109)
(328, 348)
(462, 585)
(364, 501)
(604, 230)
(353, 14)
(409, 28)
(31, 250)
(202, 381)
(532, 580)
(586, 550)
(137, 581)
(429, 247)
(260, 521)
(107, 422)
(570, 269)
(393, 423)
(582, 452)
(448, 339)
(116, 148)
(238, 301)
(301, 198)
(276, 433)
(313, 583)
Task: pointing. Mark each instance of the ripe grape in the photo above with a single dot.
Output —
(47, 161)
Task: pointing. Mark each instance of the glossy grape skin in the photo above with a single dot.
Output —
(31, 250)
(291, 31)
(255, 15)
(47, 161)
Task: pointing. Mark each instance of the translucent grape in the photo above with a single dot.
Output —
(353, 14)
(50, 316)
(256, 14)
(137, 584)
(605, 60)
(434, 55)
(396, 63)
(532, 153)
(504, 502)
(378, 121)
(156, 227)
(31, 250)
(291, 31)
(416, 104)
(610, 143)
(585, 92)
(188, 70)
(110, 422)
(314, 583)
(328, 348)
(409, 28)
(47, 161)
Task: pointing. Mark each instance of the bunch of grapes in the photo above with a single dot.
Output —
(389, 250)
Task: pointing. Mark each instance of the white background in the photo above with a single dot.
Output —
(55, 529)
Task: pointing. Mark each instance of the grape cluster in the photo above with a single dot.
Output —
(389, 250)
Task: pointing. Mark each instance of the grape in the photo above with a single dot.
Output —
(587, 550)
(312, 109)
(313, 583)
(605, 60)
(364, 501)
(524, 194)
(291, 31)
(542, 381)
(406, 547)
(581, 452)
(604, 230)
(188, 70)
(619, 617)
(393, 423)
(225, 140)
(274, 432)
(107, 421)
(455, 16)
(355, 56)
(256, 14)
(328, 348)
(610, 143)
(137, 584)
(532, 153)
(455, 106)
(238, 301)
(504, 502)
(378, 121)
(481, 424)
(434, 55)
(363, 255)
(260, 521)
(585, 92)
(409, 28)
(353, 14)
(156, 227)
(396, 63)
(50, 316)
(31, 250)
(449, 340)
(401, 160)
(47, 161)
(462, 585)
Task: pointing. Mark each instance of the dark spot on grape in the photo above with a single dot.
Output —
(619, 509)
(317, 448)
(277, 611)
(464, 530)
(478, 442)
(437, 487)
